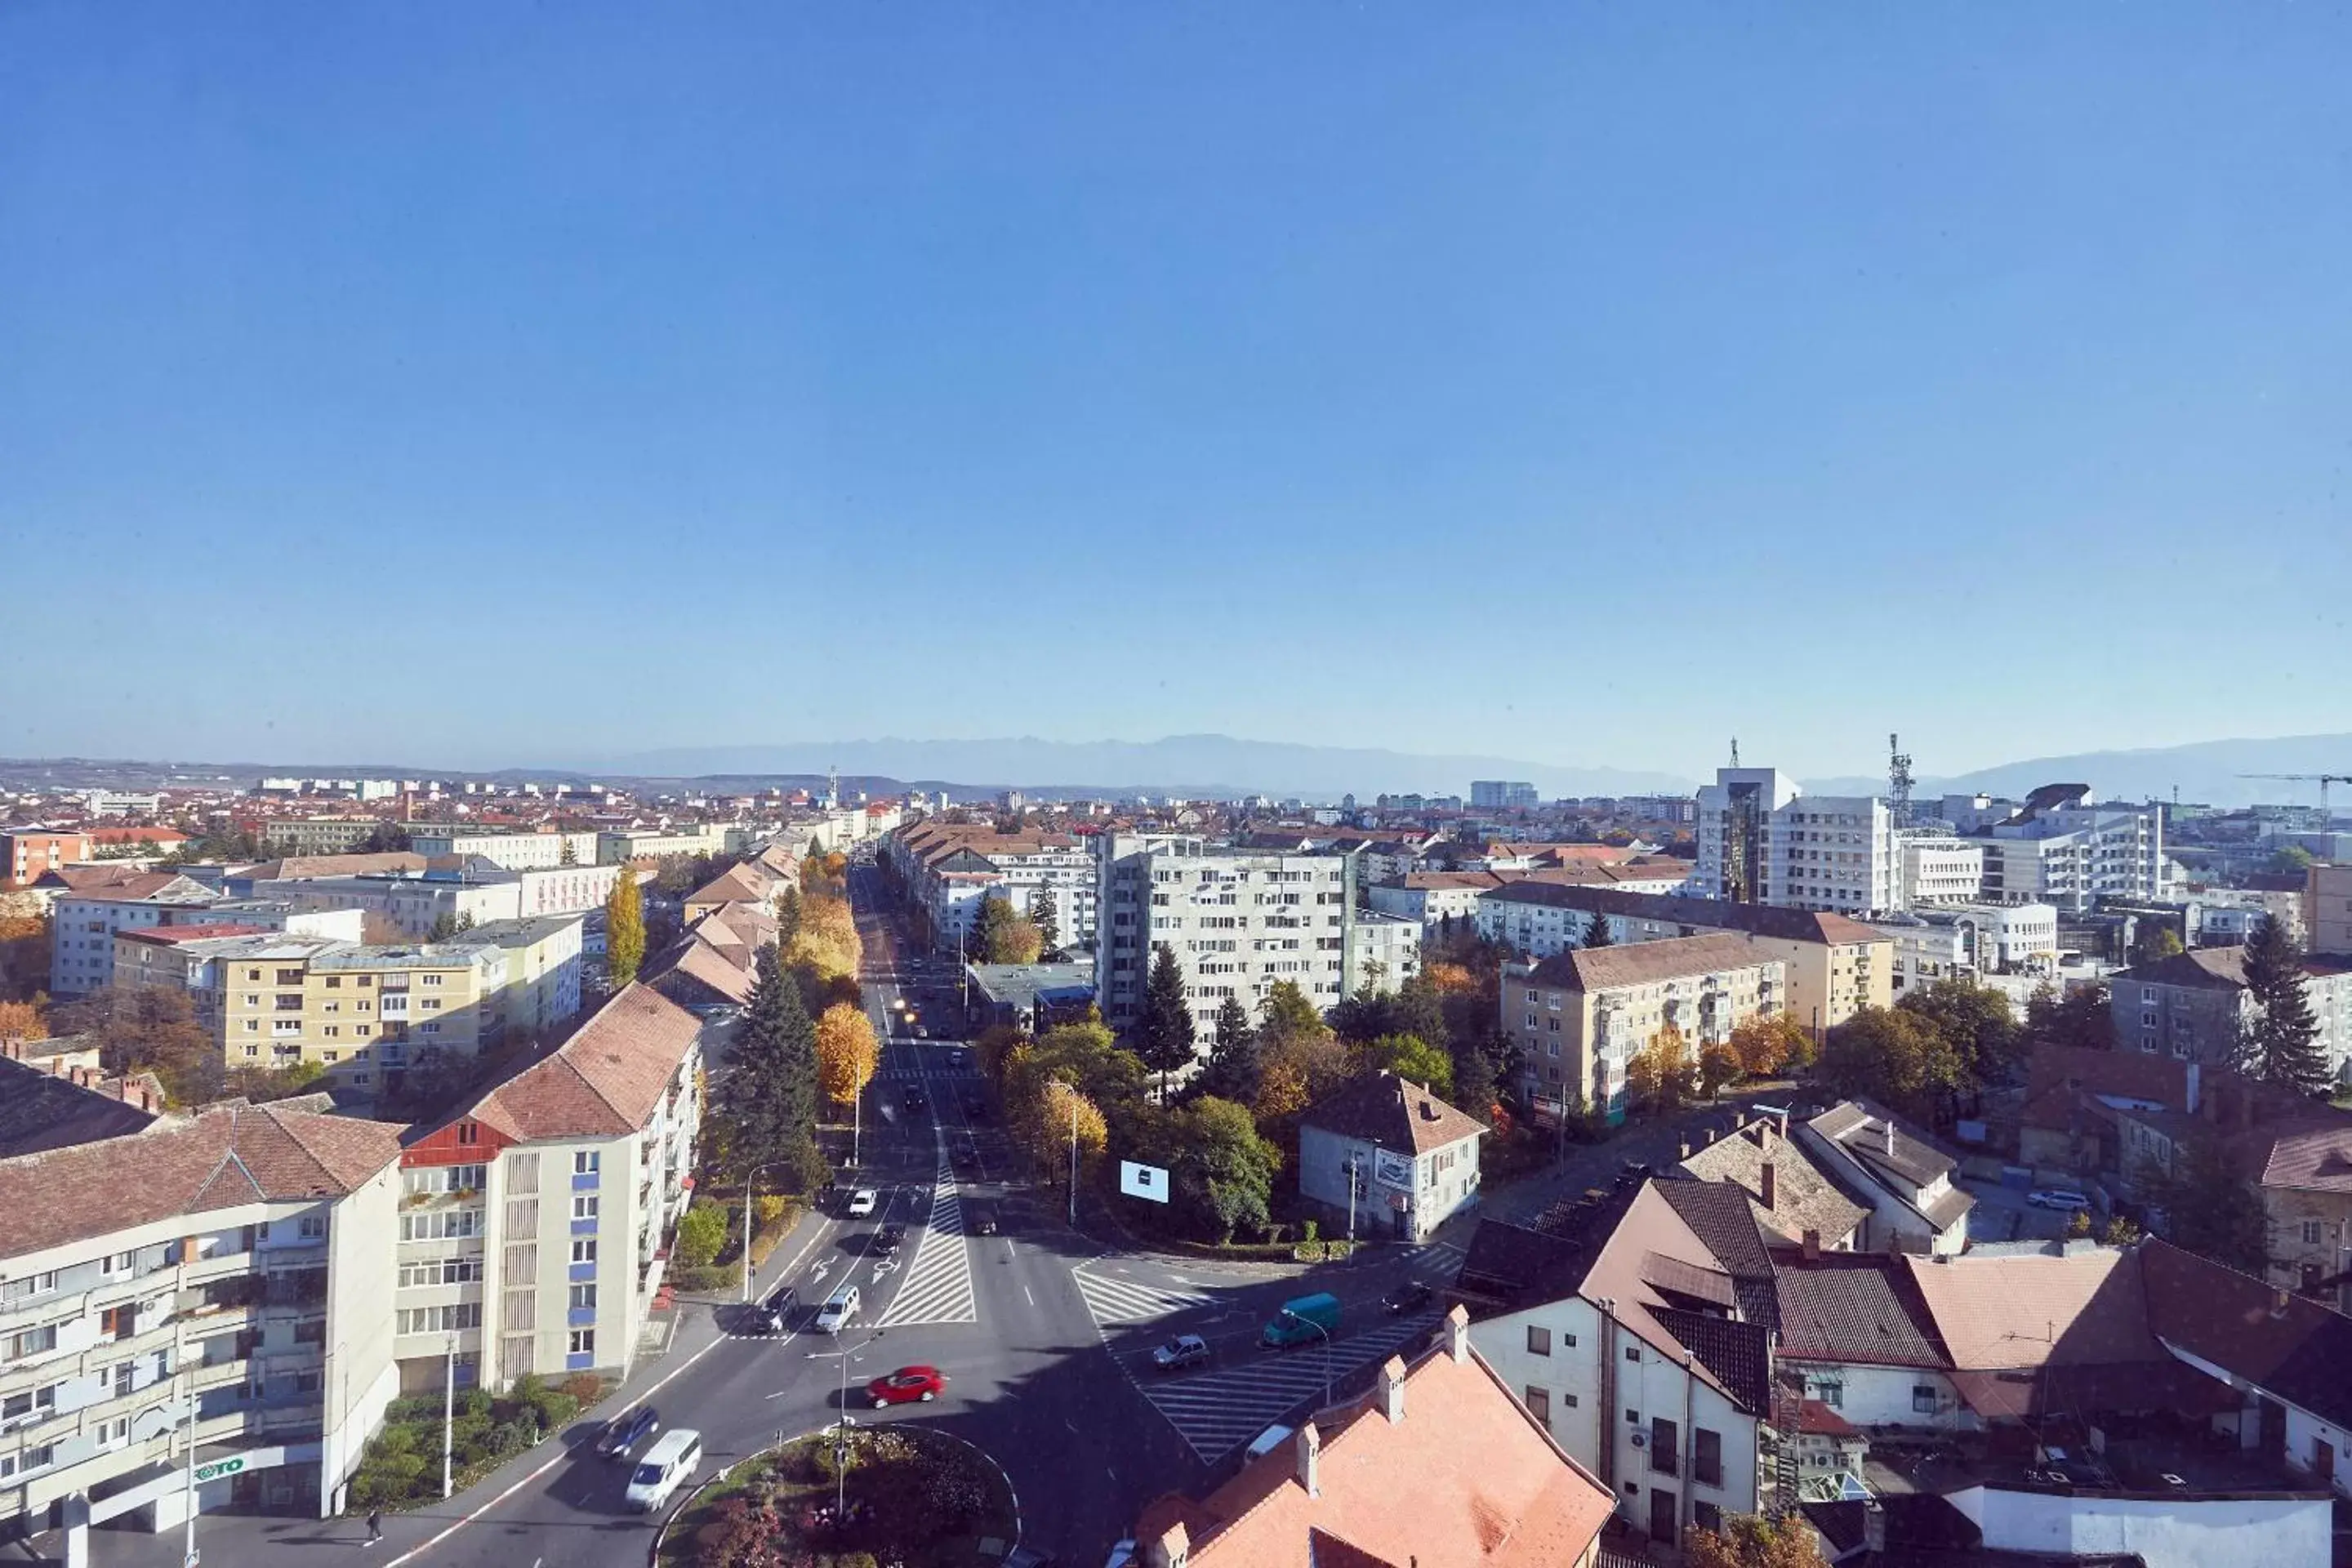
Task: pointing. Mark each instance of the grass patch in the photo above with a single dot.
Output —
(912, 1496)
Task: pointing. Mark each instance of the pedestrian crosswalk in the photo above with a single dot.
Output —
(938, 1286)
(1217, 1411)
(1115, 1302)
(1434, 1260)
(939, 1071)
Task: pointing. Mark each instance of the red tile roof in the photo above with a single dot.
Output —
(605, 1080)
(1394, 1112)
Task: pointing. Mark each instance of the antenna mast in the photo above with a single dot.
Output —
(1898, 783)
(1735, 751)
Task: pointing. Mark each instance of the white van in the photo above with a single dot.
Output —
(674, 1456)
(838, 1310)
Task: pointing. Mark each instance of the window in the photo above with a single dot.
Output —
(17, 1406)
(583, 1298)
(584, 1161)
(1706, 1456)
(1633, 1353)
(1923, 1399)
(2311, 1232)
(584, 1251)
(1665, 1446)
(1568, 1341)
(314, 1227)
(583, 1342)
(441, 1320)
(1707, 1516)
(468, 1132)
(1567, 1401)
(1540, 1405)
(29, 1343)
(26, 1462)
(1538, 1340)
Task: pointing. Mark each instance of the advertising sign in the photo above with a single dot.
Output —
(1391, 1169)
(1143, 1181)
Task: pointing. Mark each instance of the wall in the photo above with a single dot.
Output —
(1881, 1396)
(2165, 1531)
(359, 1378)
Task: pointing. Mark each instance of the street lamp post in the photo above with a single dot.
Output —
(449, 1418)
(190, 1556)
(748, 1177)
(1073, 1159)
(841, 1426)
(1326, 1350)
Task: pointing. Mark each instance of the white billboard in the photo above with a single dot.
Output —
(1391, 1169)
(1143, 1181)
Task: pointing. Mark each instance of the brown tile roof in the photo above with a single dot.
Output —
(748, 883)
(605, 1080)
(233, 1154)
(1995, 1311)
(2058, 1073)
(2294, 1348)
(1698, 914)
(1804, 1198)
(694, 959)
(310, 867)
(1393, 1112)
(1856, 1307)
(162, 887)
(1464, 1480)
(1647, 963)
(42, 1110)
(2208, 968)
(1861, 1127)
(2312, 1151)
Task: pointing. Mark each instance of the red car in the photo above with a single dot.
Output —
(906, 1385)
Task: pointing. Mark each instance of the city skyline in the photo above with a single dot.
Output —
(941, 363)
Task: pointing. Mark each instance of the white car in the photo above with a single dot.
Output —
(2058, 1198)
(862, 1202)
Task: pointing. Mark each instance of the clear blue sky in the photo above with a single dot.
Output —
(492, 384)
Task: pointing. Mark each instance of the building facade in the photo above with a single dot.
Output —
(1386, 1157)
(316, 834)
(83, 926)
(2060, 850)
(2195, 1006)
(26, 854)
(513, 851)
(2327, 909)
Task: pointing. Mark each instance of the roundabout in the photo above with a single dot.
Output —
(854, 1495)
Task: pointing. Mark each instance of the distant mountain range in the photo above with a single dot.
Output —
(2205, 772)
(1199, 766)
(1190, 765)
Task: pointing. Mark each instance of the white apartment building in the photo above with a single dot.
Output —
(1937, 869)
(412, 905)
(1237, 923)
(617, 846)
(1973, 940)
(219, 1279)
(1762, 841)
(534, 1223)
(83, 926)
(2060, 850)
(121, 803)
(513, 851)
(948, 868)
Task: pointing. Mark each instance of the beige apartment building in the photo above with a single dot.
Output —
(2327, 909)
(1580, 1017)
(366, 1013)
(317, 834)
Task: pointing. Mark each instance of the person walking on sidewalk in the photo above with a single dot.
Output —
(375, 1525)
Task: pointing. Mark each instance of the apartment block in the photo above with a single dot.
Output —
(1835, 966)
(1762, 841)
(414, 906)
(1580, 1017)
(215, 1280)
(2060, 850)
(2195, 1006)
(534, 1223)
(1237, 923)
(1938, 870)
(947, 868)
(2327, 909)
(619, 846)
(316, 834)
(1972, 940)
(83, 926)
(26, 854)
(512, 851)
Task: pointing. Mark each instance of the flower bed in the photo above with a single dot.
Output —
(908, 1495)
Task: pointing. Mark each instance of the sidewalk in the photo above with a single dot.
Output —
(239, 1539)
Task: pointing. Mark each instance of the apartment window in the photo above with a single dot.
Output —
(1633, 1353)
(585, 1161)
(253, 999)
(1632, 1417)
(334, 982)
(125, 1379)
(30, 1343)
(17, 1406)
(1567, 1401)
(430, 979)
(1538, 1340)
(2311, 1232)
(1538, 1402)
(583, 1342)
(583, 1298)
(468, 1132)
(584, 1250)
(1706, 1456)
(584, 1206)
(1923, 1399)
(29, 1460)
(447, 1320)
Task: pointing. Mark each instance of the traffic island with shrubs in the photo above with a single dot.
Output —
(402, 1466)
(902, 1495)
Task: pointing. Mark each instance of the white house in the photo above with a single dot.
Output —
(1388, 1158)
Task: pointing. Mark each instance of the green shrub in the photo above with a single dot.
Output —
(700, 1234)
(1309, 1229)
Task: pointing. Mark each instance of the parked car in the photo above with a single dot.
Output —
(1183, 1350)
(1410, 1296)
(907, 1386)
(2058, 1198)
(623, 1432)
(912, 1100)
(862, 1202)
(674, 1456)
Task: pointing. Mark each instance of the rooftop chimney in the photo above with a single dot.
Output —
(1812, 1247)
(1710, 1134)
(1686, 1148)
(1772, 1183)
(1393, 1389)
(1309, 1444)
(1874, 1528)
(1890, 1135)
(1174, 1549)
(2192, 1090)
(1784, 1124)
(1457, 1333)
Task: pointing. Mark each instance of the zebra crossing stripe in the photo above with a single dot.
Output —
(1114, 1301)
(938, 1286)
(1217, 1411)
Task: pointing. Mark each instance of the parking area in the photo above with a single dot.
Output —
(2002, 1214)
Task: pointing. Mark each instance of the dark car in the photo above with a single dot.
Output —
(912, 1100)
(979, 1218)
(1410, 1296)
(782, 1305)
(623, 1432)
(888, 1240)
(975, 1108)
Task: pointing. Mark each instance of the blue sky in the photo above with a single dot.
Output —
(492, 384)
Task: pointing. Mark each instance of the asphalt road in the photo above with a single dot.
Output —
(1045, 1340)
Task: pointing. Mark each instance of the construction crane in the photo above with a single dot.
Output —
(2322, 780)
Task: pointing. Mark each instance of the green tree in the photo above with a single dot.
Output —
(1043, 916)
(1751, 1541)
(1164, 1035)
(2079, 1018)
(773, 1096)
(1596, 930)
(1663, 1074)
(625, 930)
(2290, 860)
(565, 854)
(1475, 1088)
(2154, 941)
(1977, 1022)
(1004, 936)
(1232, 1070)
(788, 914)
(1286, 1012)
(1898, 1058)
(1225, 1175)
(1408, 1057)
(2281, 1039)
(701, 1233)
(2209, 1208)
(1421, 1010)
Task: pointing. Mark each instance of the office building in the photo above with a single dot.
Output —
(1502, 794)
(1762, 841)
(512, 851)
(28, 853)
(2060, 850)
(2327, 909)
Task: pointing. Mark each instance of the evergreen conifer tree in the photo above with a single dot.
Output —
(1042, 916)
(1234, 1070)
(1596, 930)
(1164, 1039)
(2282, 1043)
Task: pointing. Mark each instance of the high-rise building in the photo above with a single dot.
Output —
(2061, 850)
(1502, 794)
(1762, 841)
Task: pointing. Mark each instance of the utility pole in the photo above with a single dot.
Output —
(1073, 1159)
(191, 1559)
(450, 1416)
